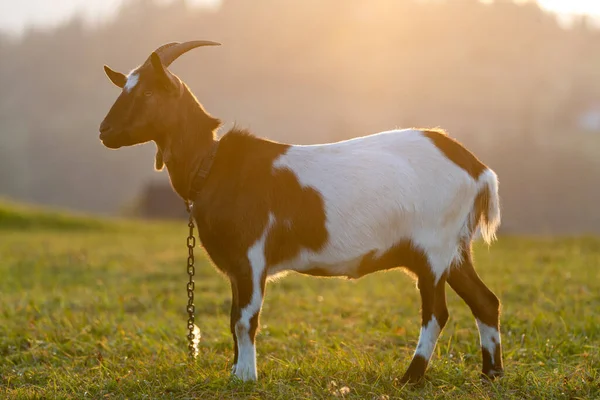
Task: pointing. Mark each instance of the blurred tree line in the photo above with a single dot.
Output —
(503, 78)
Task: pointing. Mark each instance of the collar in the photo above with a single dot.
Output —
(199, 177)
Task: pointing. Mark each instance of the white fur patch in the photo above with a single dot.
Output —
(428, 338)
(245, 369)
(378, 191)
(490, 226)
(489, 337)
(132, 80)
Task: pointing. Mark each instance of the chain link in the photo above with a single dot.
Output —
(191, 270)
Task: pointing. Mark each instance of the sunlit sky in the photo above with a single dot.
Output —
(15, 15)
(591, 7)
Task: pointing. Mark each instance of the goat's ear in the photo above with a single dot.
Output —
(115, 77)
(162, 74)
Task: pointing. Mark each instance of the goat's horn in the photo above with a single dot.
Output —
(171, 51)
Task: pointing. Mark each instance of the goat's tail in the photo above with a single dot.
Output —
(486, 210)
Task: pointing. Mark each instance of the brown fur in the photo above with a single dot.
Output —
(455, 152)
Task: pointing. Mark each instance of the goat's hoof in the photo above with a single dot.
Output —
(491, 375)
(245, 373)
(416, 370)
(411, 378)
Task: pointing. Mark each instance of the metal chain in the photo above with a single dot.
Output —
(191, 270)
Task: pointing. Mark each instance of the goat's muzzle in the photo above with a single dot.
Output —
(104, 129)
(111, 138)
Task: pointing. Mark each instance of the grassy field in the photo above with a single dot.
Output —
(96, 309)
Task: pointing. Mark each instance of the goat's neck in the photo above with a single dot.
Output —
(185, 144)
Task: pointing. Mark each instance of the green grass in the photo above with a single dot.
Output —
(100, 312)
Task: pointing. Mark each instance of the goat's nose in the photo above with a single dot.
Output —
(104, 127)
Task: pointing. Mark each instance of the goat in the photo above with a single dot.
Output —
(404, 198)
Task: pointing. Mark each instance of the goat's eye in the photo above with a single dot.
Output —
(147, 93)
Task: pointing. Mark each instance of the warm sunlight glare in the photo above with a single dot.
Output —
(591, 7)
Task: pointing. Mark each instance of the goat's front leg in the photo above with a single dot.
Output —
(244, 322)
(235, 316)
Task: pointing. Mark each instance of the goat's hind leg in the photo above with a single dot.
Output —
(434, 315)
(485, 307)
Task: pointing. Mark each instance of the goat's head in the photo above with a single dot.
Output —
(149, 95)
